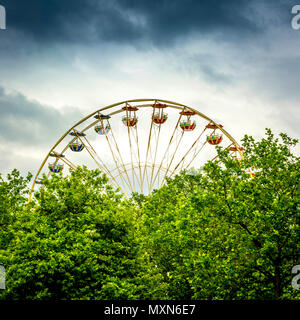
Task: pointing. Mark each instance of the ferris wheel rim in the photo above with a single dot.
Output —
(169, 103)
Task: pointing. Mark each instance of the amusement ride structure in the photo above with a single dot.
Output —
(139, 143)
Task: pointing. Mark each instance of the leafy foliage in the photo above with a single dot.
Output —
(214, 233)
(13, 192)
(77, 242)
(223, 234)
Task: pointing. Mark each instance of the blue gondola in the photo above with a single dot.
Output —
(76, 146)
(55, 167)
(102, 130)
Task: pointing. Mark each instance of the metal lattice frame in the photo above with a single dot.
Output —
(138, 175)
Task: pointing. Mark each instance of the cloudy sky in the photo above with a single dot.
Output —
(238, 61)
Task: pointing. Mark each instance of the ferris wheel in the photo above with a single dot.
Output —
(138, 144)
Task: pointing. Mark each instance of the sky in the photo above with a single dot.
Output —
(236, 61)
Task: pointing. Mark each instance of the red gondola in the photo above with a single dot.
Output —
(160, 118)
(214, 139)
(130, 121)
(188, 125)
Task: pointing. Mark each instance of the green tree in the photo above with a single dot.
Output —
(223, 234)
(77, 242)
(214, 233)
(13, 197)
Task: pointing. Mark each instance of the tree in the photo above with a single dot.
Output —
(215, 233)
(13, 191)
(77, 242)
(223, 234)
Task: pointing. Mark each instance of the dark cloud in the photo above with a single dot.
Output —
(68, 21)
(170, 19)
(157, 21)
(23, 121)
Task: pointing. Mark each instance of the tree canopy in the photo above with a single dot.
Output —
(227, 231)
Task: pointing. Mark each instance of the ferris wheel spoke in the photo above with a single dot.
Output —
(194, 151)
(147, 177)
(196, 154)
(130, 121)
(68, 162)
(193, 147)
(148, 145)
(172, 158)
(129, 164)
(139, 159)
(131, 152)
(166, 152)
(94, 155)
(120, 155)
(138, 181)
(124, 182)
(122, 170)
(155, 155)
